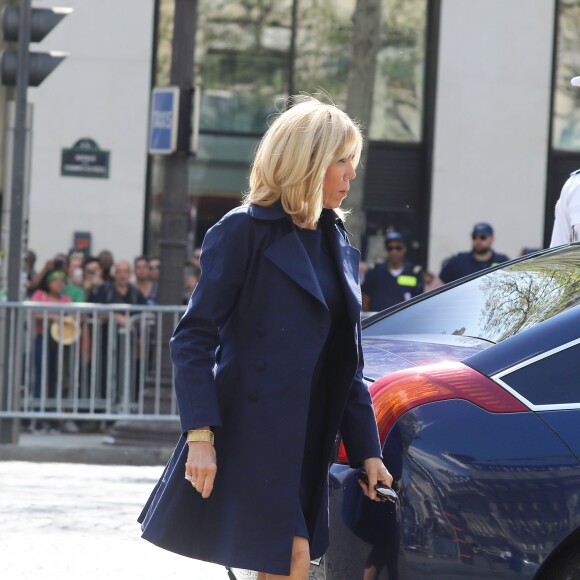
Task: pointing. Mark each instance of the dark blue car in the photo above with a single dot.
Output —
(476, 388)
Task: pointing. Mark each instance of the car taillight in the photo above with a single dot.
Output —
(400, 392)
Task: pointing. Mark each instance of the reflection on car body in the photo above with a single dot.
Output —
(476, 387)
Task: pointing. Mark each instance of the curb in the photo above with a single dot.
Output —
(90, 449)
(114, 456)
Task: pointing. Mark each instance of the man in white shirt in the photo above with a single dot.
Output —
(567, 216)
(567, 221)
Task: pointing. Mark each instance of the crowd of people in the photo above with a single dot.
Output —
(79, 278)
(99, 279)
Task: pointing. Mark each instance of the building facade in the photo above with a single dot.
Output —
(90, 118)
(473, 117)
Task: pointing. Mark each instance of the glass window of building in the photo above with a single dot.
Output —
(566, 111)
(243, 62)
(323, 48)
(400, 74)
(250, 54)
(323, 59)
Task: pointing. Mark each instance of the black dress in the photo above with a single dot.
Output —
(317, 246)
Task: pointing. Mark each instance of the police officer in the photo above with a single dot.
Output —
(482, 256)
(393, 281)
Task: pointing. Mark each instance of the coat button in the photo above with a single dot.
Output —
(260, 331)
(260, 365)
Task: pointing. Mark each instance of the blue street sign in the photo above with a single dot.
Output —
(163, 122)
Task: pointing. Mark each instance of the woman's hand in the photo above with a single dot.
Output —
(201, 466)
(376, 471)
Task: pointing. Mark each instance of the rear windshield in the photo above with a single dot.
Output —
(496, 305)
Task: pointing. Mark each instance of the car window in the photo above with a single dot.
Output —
(553, 380)
(495, 305)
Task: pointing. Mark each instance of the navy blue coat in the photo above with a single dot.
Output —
(244, 355)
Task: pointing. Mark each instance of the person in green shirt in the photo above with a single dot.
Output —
(74, 272)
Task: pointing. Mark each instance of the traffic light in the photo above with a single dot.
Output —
(41, 64)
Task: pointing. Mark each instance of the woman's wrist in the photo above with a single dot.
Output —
(201, 434)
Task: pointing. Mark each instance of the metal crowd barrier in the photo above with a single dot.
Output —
(86, 361)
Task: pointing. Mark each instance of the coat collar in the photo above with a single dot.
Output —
(276, 212)
(288, 254)
(269, 212)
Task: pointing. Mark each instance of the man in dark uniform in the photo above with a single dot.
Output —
(392, 281)
(481, 256)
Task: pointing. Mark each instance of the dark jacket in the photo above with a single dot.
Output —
(108, 294)
(259, 303)
(385, 290)
(464, 263)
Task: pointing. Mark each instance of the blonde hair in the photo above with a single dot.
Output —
(294, 154)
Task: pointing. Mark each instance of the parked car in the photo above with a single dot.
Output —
(476, 387)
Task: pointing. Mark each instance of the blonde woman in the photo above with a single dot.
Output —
(268, 364)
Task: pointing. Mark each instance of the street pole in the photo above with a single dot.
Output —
(175, 199)
(17, 202)
(174, 222)
(9, 427)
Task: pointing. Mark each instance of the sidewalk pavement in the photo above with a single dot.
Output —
(65, 521)
(89, 448)
(81, 520)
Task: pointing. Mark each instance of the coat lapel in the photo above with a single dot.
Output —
(288, 254)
